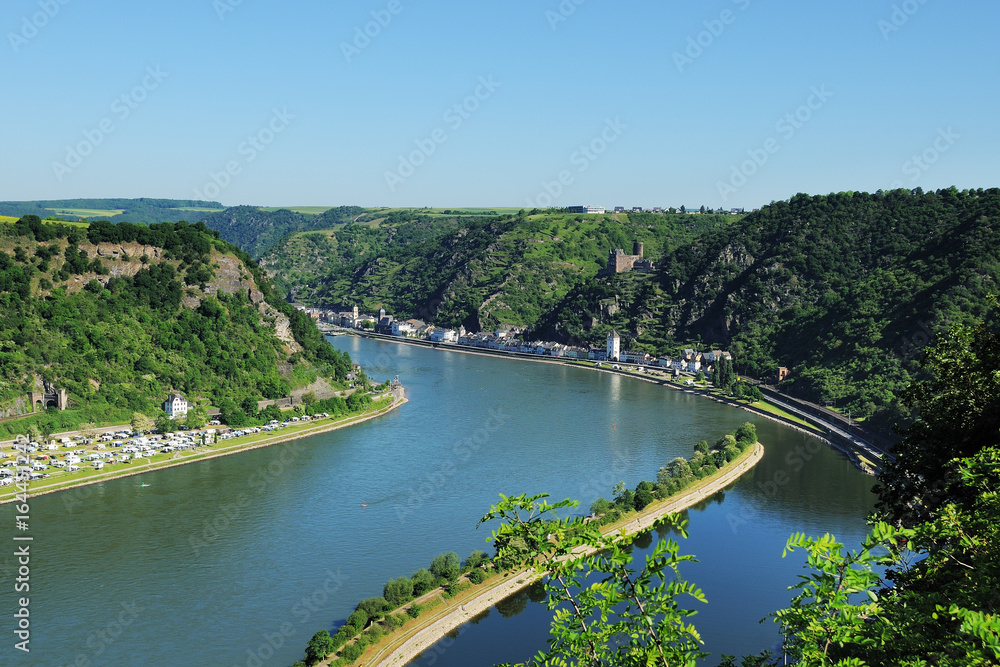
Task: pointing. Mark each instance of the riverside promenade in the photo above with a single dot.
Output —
(405, 648)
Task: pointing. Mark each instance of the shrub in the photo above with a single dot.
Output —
(414, 610)
(395, 621)
(477, 576)
(475, 559)
(352, 653)
(454, 588)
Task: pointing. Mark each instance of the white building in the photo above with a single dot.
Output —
(402, 329)
(175, 406)
(590, 210)
(614, 346)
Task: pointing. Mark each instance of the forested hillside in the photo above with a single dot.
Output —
(844, 289)
(478, 272)
(119, 315)
(256, 230)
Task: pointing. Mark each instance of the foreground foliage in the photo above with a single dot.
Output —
(607, 610)
(923, 589)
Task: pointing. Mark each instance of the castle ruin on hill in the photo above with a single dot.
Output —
(619, 262)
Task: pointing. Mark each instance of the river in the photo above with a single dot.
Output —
(239, 560)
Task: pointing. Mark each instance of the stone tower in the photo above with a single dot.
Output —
(637, 249)
(614, 346)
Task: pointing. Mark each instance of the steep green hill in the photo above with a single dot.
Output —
(478, 272)
(844, 289)
(120, 315)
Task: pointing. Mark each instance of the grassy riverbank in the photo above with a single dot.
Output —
(444, 609)
(161, 461)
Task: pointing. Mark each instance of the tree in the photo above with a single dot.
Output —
(600, 506)
(643, 495)
(648, 625)
(320, 646)
(701, 447)
(937, 602)
(446, 566)
(308, 399)
(423, 581)
(374, 607)
(940, 608)
(196, 417)
(140, 423)
(165, 424)
(271, 412)
(746, 433)
(398, 592)
(678, 468)
(249, 407)
(476, 559)
(959, 413)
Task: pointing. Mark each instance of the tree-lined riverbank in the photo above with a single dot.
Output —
(401, 647)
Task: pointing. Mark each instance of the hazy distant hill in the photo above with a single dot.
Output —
(143, 210)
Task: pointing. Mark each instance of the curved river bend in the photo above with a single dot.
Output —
(239, 560)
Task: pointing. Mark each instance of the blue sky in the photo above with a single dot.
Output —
(721, 103)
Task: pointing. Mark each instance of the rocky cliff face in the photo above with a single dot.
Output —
(229, 277)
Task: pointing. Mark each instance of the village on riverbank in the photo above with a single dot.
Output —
(707, 373)
(510, 339)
